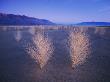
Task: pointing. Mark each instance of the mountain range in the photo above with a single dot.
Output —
(93, 24)
(11, 19)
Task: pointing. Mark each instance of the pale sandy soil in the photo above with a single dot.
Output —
(55, 54)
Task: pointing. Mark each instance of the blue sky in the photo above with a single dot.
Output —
(60, 11)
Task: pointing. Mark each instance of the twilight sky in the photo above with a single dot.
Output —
(60, 11)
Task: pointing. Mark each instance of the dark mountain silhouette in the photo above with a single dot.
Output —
(93, 24)
(11, 19)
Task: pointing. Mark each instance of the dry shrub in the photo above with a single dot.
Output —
(79, 46)
(32, 30)
(100, 31)
(43, 49)
(18, 36)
